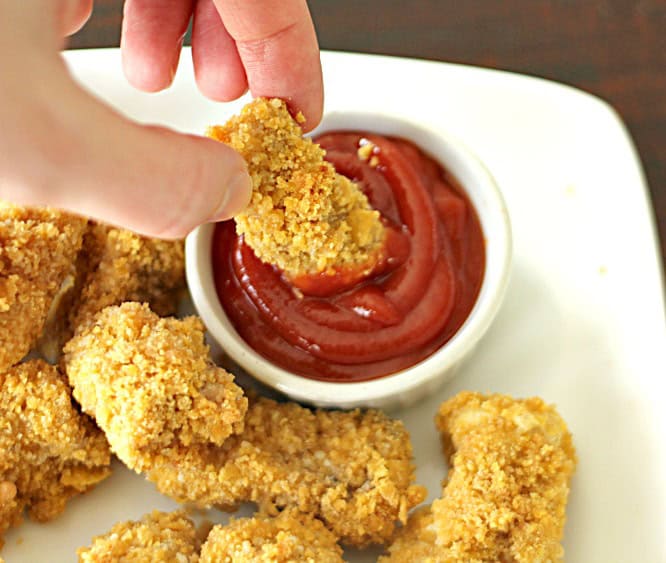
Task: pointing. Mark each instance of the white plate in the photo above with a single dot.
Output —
(583, 322)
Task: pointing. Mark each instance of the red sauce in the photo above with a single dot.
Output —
(411, 304)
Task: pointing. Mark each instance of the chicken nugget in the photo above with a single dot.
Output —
(168, 412)
(303, 218)
(506, 494)
(290, 537)
(38, 247)
(49, 452)
(150, 384)
(114, 266)
(117, 265)
(353, 470)
(158, 536)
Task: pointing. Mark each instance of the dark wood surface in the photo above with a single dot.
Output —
(615, 49)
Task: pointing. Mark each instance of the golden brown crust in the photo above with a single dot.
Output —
(114, 266)
(351, 469)
(290, 537)
(158, 536)
(417, 541)
(150, 384)
(49, 452)
(506, 493)
(117, 266)
(37, 252)
(168, 412)
(303, 217)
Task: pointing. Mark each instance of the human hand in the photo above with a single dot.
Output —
(60, 146)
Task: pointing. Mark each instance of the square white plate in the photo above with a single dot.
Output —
(583, 321)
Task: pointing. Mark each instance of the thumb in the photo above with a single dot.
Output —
(73, 14)
(148, 179)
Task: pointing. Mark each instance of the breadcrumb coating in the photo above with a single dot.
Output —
(168, 412)
(353, 469)
(506, 494)
(38, 247)
(417, 541)
(303, 217)
(150, 384)
(290, 537)
(118, 265)
(158, 536)
(49, 452)
(114, 266)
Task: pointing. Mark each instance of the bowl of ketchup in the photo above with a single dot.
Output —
(393, 337)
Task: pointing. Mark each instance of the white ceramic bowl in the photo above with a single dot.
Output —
(409, 385)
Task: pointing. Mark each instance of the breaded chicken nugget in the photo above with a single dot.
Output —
(417, 541)
(353, 469)
(303, 217)
(150, 384)
(116, 265)
(290, 537)
(159, 536)
(49, 452)
(168, 412)
(37, 252)
(506, 494)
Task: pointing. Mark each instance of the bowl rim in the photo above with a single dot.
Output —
(201, 283)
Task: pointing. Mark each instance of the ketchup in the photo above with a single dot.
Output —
(409, 307)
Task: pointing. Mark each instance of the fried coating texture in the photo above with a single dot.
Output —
(303, 217)
(506, 494)
(290, 537)
(116, 265)
(150, 384)
(49, 452)
(38, 247)
(168, 412)
(158, 536)
(352, 470)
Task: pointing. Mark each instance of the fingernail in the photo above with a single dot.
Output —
(237, 196)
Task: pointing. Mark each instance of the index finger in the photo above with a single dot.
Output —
(278, 46)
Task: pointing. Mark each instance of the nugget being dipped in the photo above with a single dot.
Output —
(37, 252)
(159, 536)
(506, 494)
(169, 413)
(49, 452)
(303, 218)
(290, 537)
(150, 384)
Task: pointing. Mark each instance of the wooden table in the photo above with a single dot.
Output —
(615, 49)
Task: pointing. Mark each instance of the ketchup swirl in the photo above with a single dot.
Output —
(412, 303)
